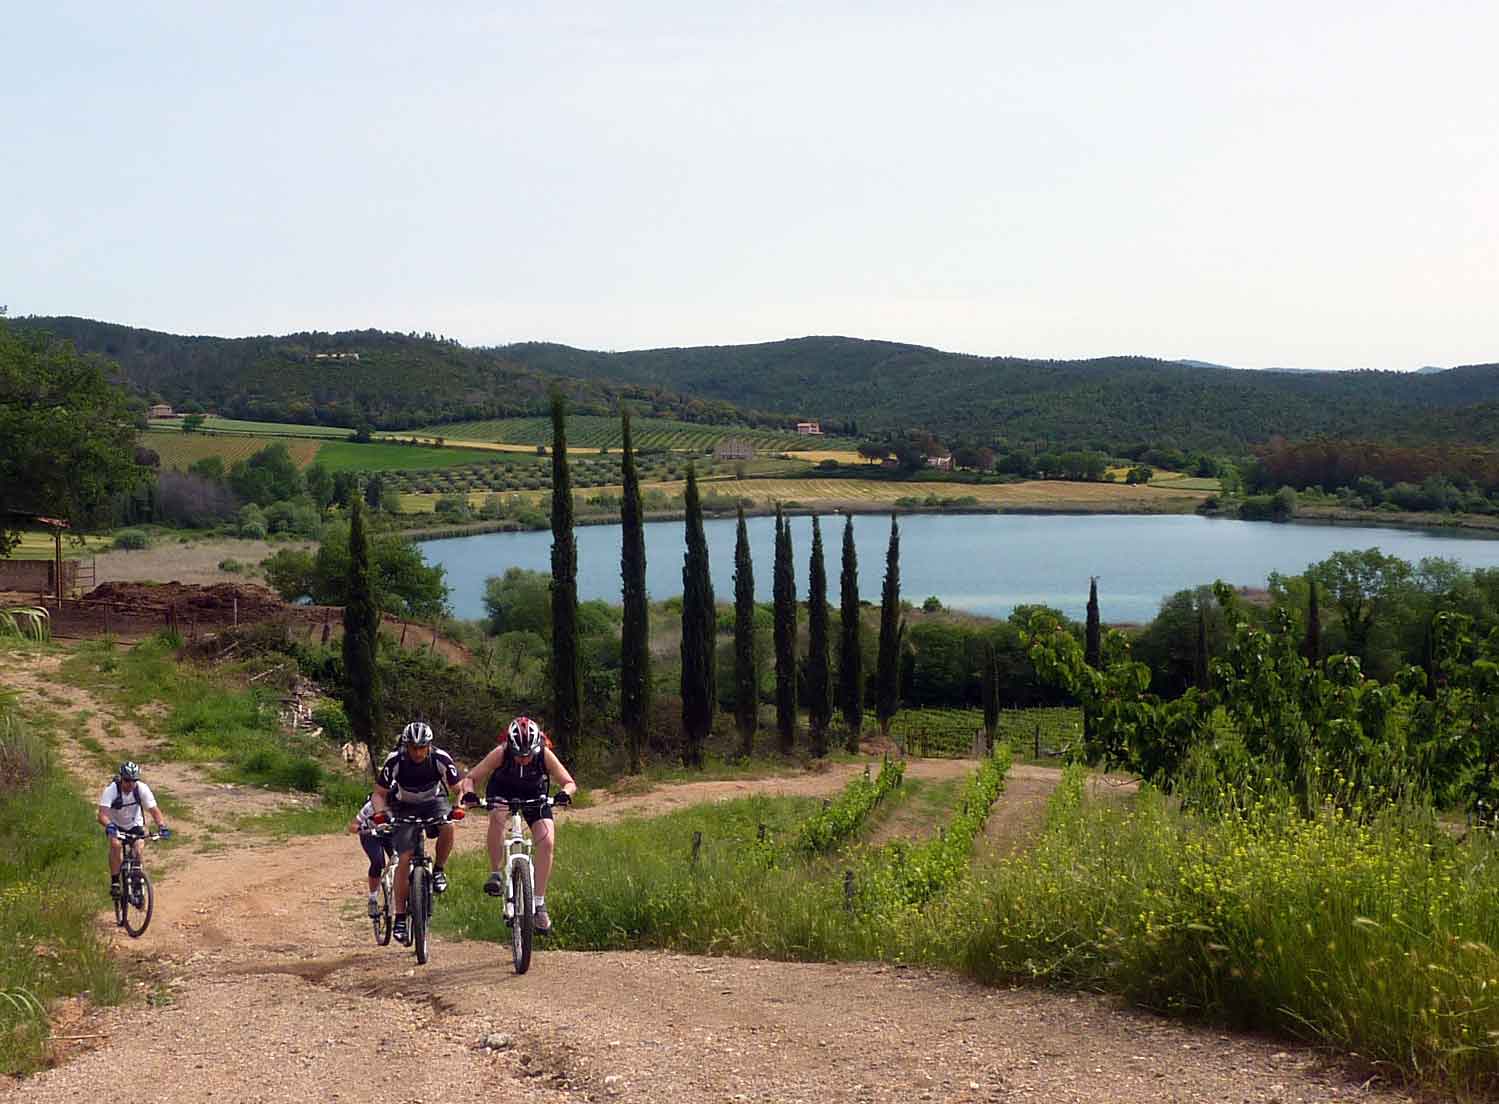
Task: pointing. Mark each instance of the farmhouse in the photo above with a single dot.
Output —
(160, 410)
(941, 463)
(809, 429)
(734, 448)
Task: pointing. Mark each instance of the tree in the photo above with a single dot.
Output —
(785, 634)
(567, 682)
(401, 582)
(635, 633)
(1311, 644)
(699, 624)
(991, 695)
(850, 646)
(746, 678)
(887, 670)
(1364, 586)
(361, 629)
(1200, 671)
(374, 492)
(67, 435)
(270, 475)
(1093, 648)
(319, 485)
(192, 423)
(819, 685)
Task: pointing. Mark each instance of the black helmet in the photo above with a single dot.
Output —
(524, 737)
(416, 734)
(129, 771)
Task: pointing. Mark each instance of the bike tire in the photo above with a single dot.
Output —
(385, 921)
(523, 927)
(419, 912)
(137, 917)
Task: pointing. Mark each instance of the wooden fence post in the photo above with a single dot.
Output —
(697, 846)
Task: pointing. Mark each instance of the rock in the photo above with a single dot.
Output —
(497, 1040)
(614, 1084)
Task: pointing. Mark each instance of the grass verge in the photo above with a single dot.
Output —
(53, 881)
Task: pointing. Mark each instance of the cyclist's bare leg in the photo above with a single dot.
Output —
(402, 873)
(444, 845)
(544, 838)
(494, 840)
(374, 885)
(116, 856)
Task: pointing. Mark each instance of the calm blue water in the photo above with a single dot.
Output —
(985, 563)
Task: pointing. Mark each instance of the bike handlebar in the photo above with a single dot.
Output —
(393, 823)
(137, 834)
(515, 803)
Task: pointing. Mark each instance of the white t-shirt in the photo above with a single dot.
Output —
(124, 809)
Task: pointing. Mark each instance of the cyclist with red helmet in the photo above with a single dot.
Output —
(522, 766)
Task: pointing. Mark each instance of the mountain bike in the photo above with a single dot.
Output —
(520, 874)
(419, 880)
(134, 904)
(384, 922)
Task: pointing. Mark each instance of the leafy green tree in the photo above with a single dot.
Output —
(567, 689)
(319, 485)
(819, 685)
(209, 467)
(887, 671)
(374, 492)
(269, 476)
(746, 678)
(635, 637)
(361, 631)
(991, 695)
(402, 583)
(1364, 587)
(192, 423)
(1311, 643)
(785, 634)
(850, 648)
(1092, 647)
(699, 624)
(67, 435)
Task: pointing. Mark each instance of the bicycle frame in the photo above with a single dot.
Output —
(419, 877)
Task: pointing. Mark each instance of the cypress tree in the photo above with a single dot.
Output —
(1311, 644)
(746, 683)
(850, 651)
(698, 632)
(819, 685)
(1093, 648)
(785, 635)
(361, 627)
(567, 697)
(1200, 658)
(887, 672)
(635, 632)
(991, 695)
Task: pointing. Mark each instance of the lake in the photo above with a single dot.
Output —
(984, 563)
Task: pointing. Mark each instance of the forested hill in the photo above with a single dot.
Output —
(889, 387)
(391, 380)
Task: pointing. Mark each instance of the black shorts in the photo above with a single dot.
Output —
(378, 849)
(403, 839)
(532, 813)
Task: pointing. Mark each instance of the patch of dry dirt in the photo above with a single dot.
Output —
(267, 987)
(197, 562)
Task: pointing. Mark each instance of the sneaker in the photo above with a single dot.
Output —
(115, 892)
(400, 929)
(541, 921)
(439, 881)
(495, 886)
(374, 908)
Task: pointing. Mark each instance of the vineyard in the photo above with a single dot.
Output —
(214, 424)
(664, 475)
(180, 450)
(954, 733)
(1037, 495)
(649, 434)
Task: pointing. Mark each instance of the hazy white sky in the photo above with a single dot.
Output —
(1309, 184)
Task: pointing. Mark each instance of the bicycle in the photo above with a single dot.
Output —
(137, 898)
(520, 875)
(385, 921)
(419, 880)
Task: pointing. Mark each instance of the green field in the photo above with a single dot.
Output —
(215, 424)
(340, 456)
(589, 431)
(180, 450)
(39, 546)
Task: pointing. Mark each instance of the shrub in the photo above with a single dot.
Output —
(131, 540)
(330, 717)
(233, 566)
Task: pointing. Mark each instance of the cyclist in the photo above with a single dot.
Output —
(120, 808)
(413, 782)
(522, 766)
(376, 848)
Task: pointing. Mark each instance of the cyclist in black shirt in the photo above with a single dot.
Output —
(414, 782)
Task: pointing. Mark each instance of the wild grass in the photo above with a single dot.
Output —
(1374, 936)
(53, 880)
(209, 721)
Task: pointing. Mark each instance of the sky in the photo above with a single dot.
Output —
(1309, 185)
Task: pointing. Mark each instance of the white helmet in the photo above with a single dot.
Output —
(416, 734)
(524, 737)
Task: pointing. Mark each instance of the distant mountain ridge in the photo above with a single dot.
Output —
(876, 388)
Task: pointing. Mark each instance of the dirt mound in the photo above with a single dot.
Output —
(254, 602)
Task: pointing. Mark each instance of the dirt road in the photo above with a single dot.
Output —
(262, 984)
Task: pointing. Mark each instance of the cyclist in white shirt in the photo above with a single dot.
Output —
(120, 808)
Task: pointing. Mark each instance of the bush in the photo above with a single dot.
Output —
(330, 717)
(233, 566)
(131, 540)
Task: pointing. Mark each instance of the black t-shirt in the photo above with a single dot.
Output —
(410, 781)
(517, 779)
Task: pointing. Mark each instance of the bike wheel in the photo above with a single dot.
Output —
(384, 921)
(522, 928)
(136, 901)
(419, 911)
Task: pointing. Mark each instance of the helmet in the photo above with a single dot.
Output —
(129, 771)
(416, 734)
(524, 737)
